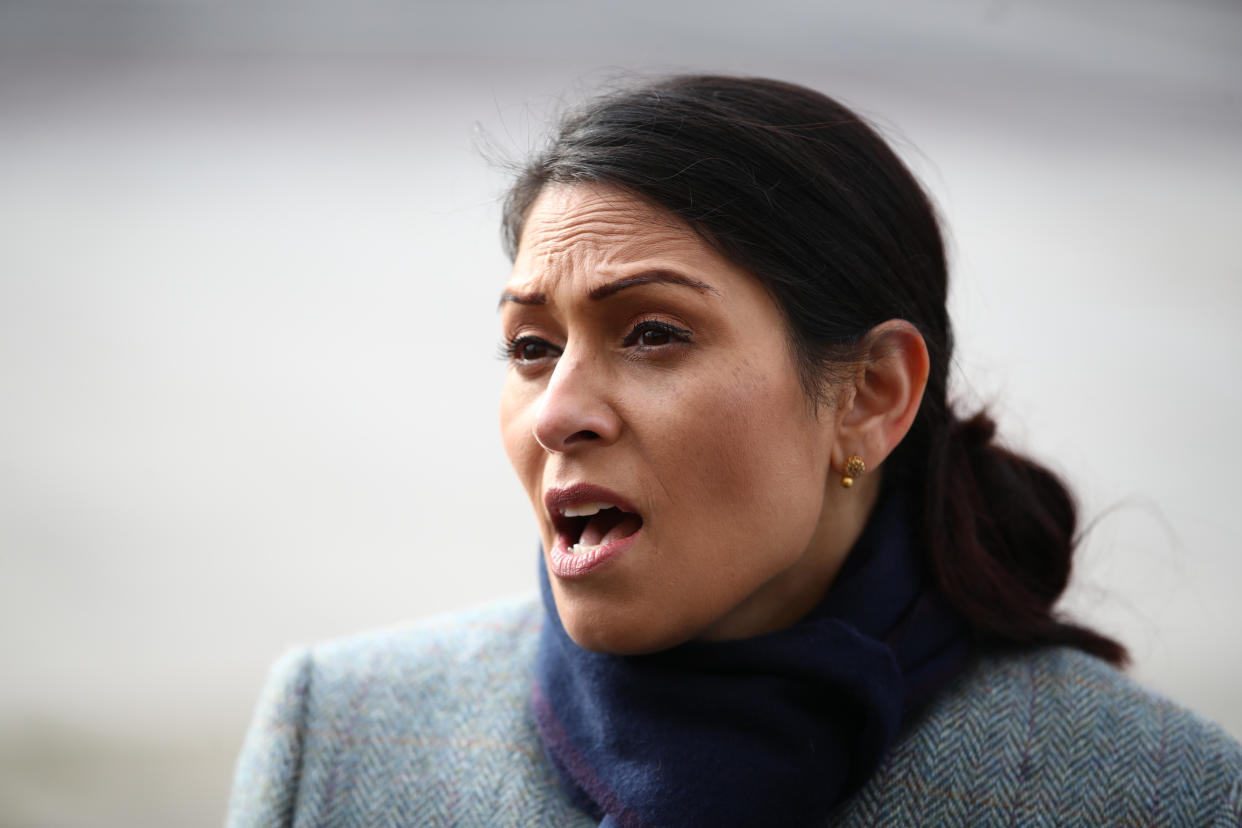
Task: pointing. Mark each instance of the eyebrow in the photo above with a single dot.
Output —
(647, 277)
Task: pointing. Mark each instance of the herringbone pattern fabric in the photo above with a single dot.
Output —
(1055, 737)
(430, 725)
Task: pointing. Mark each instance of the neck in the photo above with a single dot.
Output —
(786, 598)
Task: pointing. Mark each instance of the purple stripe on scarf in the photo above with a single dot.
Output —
(558, 743)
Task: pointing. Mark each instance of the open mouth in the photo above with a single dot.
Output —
(585, 527)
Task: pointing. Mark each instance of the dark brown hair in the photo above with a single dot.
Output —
(804, 194)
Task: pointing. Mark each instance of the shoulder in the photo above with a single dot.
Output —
(1055, 736)
(463, 654)
(424, 723)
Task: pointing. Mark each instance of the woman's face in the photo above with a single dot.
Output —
(654, 414)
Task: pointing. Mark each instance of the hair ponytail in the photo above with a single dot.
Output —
(1000, 531)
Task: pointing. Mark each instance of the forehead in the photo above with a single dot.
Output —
(587, 229)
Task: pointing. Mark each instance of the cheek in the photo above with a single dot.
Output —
(750, 452)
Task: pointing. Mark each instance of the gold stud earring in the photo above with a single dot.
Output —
(854, 467)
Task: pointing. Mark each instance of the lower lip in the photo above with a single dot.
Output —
(569, 566)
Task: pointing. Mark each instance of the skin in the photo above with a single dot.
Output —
(684, 398)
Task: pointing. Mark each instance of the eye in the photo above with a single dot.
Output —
(528, 349)
(654, 334)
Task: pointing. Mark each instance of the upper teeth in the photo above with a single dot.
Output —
(584, 509)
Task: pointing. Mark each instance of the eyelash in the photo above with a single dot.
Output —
(511, 346)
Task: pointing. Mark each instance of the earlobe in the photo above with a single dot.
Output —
(887, 392)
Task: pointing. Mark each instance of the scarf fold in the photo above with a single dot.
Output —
(771, 730)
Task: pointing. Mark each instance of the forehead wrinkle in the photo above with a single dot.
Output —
(569, 236)
(620, 237)
(604, 254)
(564, 217)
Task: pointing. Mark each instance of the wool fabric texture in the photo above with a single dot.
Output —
(770, 730)
(430, 724)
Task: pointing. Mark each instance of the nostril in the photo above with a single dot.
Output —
(579, 436)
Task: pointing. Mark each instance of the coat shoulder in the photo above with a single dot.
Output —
(439, 658)
(1053, 737)
(426, 723)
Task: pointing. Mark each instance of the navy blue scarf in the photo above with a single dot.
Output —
(771, 730)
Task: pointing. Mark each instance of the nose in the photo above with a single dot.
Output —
(574, 411)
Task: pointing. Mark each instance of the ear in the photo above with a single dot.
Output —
(879, 408)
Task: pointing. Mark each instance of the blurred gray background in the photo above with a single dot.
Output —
(248, 269)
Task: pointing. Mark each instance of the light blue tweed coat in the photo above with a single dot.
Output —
(429, 725)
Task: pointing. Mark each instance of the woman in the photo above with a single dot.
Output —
(783, 583)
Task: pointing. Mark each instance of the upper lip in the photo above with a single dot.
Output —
(556, 499)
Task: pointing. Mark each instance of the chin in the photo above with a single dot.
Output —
(617, 633)
(611, 643)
